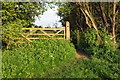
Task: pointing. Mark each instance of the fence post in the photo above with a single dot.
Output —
(67, 30)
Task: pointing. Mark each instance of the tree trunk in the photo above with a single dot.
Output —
(113, 23)
(103, 15)
(89, 17)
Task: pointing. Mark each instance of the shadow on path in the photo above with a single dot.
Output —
(81, 55)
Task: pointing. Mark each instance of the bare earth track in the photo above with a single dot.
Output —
(81, 55)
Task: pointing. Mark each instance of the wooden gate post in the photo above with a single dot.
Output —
(67, 30)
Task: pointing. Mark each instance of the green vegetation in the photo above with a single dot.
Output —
(16, 15)
(102, 62)
(92, 15)
(94, 31)
(56, 59)
(36, 59)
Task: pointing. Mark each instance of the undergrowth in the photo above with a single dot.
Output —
(36, 59)
(56, 59)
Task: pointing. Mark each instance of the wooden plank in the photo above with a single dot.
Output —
(64, 32)
(57, 33)
(44, 34)
(31, 33)
(46, 38)
(41, 38)
(21, 42)
(42, 28)
(25, 37)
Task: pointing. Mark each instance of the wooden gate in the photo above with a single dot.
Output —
(37, 33)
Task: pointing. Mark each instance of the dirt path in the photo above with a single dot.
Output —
(80, 55)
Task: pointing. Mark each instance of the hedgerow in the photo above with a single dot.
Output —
(36, 59)
(104, 58)
(56, 59)
(103, 61)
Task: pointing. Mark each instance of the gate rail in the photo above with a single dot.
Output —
(33, 31)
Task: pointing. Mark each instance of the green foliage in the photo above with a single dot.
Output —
(16, 15)
(79, 14)
(69, 12)
(87, 68)
(36, 59)
(89, 42)
(25, 11)
(56, 59)
(73, 37)
(103, 61)
(11, 31)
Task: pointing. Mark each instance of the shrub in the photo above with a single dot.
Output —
(86, 68)
(56, 59)
(90, 44)
(36, 59)
(103, 62)
(73, 37)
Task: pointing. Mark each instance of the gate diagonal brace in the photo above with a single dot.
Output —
(30, 33)
(57, 33)
(25, 37)
(45, 33)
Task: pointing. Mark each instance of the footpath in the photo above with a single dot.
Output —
(81, 55)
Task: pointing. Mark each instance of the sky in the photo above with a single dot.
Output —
(49, 18)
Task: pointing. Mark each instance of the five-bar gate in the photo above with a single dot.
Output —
(37, 33)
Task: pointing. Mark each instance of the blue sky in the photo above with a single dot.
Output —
(49, 18)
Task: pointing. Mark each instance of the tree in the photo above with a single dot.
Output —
(93, 14)
(25, 11)
(16, 15)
